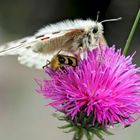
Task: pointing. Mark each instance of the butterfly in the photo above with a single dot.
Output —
(33, 51)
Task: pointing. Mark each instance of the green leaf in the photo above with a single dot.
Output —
(131, 34)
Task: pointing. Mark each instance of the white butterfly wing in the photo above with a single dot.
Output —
(24, 49)
(32, 59)
(34, 51)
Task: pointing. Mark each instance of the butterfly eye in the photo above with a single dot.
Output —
(95, 29)
(61, 59)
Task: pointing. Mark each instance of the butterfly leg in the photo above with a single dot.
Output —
(100, 53)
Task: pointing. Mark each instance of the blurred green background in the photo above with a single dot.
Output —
(23, 115)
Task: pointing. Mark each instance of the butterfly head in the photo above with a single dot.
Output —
(93, 35)
(97, 29)
(95, 32)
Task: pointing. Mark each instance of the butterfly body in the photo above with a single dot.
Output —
(68, 35)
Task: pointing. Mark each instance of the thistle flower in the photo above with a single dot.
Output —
(105, 88)
(101, 91)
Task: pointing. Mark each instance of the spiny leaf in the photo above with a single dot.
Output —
(87, 134)
(71, 130)
(65, 126)
(108, 132)
(99, 135)
(78, 134)
(61, 118)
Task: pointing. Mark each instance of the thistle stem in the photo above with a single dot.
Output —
(137, 19)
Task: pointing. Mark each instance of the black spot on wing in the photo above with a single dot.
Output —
(23, 41)
(39, 36)
(56, 32)
(28, 47)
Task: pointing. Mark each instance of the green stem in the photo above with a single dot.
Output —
(131, 33)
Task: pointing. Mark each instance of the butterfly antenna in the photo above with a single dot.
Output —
(108, 20)
(97, 18)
